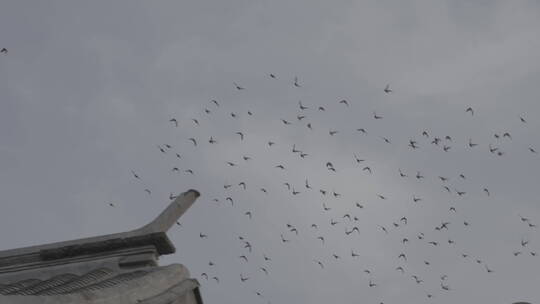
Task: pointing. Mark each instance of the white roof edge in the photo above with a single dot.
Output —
(162, 223)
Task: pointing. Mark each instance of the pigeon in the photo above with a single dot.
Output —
(238, 87)
(296, 84)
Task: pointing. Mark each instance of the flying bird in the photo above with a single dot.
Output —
(387, 89)
(402, 255)
(358, 160)
(417, 279)
(401, 173)
(238, 87)
(296, 84)
(241, 135)
(135, 174)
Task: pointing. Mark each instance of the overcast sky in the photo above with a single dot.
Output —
(87, 90)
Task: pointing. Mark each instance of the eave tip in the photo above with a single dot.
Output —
(195, 192)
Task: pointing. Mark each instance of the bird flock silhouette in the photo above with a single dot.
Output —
(331, 202)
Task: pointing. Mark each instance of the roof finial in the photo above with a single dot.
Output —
(171, 214)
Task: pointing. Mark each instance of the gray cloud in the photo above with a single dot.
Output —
(88, 89)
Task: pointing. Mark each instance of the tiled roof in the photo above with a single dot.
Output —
(151, 285)
(118, 268)
(70, 283)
